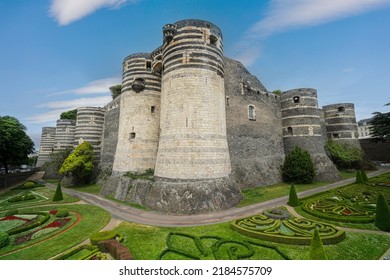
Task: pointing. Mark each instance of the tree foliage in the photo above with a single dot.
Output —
(115, 91)
(293, 199)
(344, 155)
(380, 125)
(382, 215)
(317, 248)
(15, 144)
(69, 115)
(79, 162)
(298, 167)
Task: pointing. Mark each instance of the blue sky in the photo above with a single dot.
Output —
(57, 55)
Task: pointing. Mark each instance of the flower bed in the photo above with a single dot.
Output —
(289, 231)
(354, 203)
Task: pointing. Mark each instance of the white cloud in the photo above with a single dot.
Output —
(68, 11)
(94, 87)
(287, 14)
(57, 107)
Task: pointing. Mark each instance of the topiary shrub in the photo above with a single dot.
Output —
(11, 212)
(293, 197)
(359, 178)
(62, 213)
(4, 239)
(298, 167)
(58, 194)
(382, 216)
(104, 235)
(364, 176)
(21, 198)
(317, 248)
(29, 184)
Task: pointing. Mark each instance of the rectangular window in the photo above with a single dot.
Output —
(153, 110)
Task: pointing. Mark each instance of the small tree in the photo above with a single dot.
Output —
(69, 115)
(359, 178)
(80, 162)
(382, 216)
(317, 248)
(293, 197)
(344, 155)
(58, 194)
(364, 176)
(298, 167)
(115, 91)
(380, 125)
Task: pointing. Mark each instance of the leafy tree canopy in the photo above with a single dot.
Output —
(79, 162)
(115, 91)
(69, 115)
(380, 125)
(15, 144)
(298, 167)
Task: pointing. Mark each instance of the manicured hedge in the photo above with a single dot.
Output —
(4, 239)
(91, 250)
(44, 217)
(62, 213)
(105, 235)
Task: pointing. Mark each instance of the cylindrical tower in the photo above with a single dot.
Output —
(89, 127)
(139, 117)
(64, 138)
(193, 142)
(47, 145)
(301, 124)
(341, 123)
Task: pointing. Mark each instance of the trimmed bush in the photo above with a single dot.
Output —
(22, 198)
(364, 176)
(317, 248)
(45, 217)
(58, 194)
(382, 217)
(116, 249)
(11, 212)
(293, 197)
(29, 184)
(359, 178)
(298, 167)
(62, 213)
(104, 235)
(4, 239)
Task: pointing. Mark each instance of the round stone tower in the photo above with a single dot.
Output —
(193, 142)
(340, 122)
(193, 164)
(301, 125)
(64, 138)
(89, 127)
(139, 117)
(47, 145)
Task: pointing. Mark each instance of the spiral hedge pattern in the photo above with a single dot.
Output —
(288, 231)
(354, 203)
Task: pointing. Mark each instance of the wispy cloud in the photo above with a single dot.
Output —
(94, 87)
(57, 107)
(283, 15)
(68, 11)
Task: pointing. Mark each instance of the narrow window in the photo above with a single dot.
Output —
(341, 109)
(153, 110)
(227, 100)
(335, 136)
(289, 130)
(296, 99)
(132, 136)
(148, 65)
(213, 40)
(251, 113)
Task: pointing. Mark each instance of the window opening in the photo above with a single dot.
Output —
(289, 130)
(251, 113)
(132, 136)
(296, 99)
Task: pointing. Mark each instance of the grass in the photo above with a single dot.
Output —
(93, 220)
(261, 194)
(92, 188)
(355, 246)
(131, 204)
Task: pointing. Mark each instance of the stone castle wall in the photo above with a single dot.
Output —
(47, 145)
(65, 131)
(254, 128)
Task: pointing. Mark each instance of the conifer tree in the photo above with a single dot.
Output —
(317, 248)
(293, 197)
(359, 178)
(58, 194)
(382, 215)
(364, 176)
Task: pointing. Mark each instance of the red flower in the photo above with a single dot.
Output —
(58, 223)
(10, 218)
(53, 212)
(347, 212)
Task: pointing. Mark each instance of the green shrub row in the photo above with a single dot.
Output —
(19, 198)
(105, 235)
(28, 185)
(11, 212)
(4, 239)
(62, 213)
(28, 226)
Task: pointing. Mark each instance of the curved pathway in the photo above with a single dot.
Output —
(131, 214)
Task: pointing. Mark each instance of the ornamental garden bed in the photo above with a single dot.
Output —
(353, 203)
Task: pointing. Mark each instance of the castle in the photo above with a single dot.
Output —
(203, 123)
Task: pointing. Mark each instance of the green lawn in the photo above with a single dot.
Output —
(92, 189)
(93, 220)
